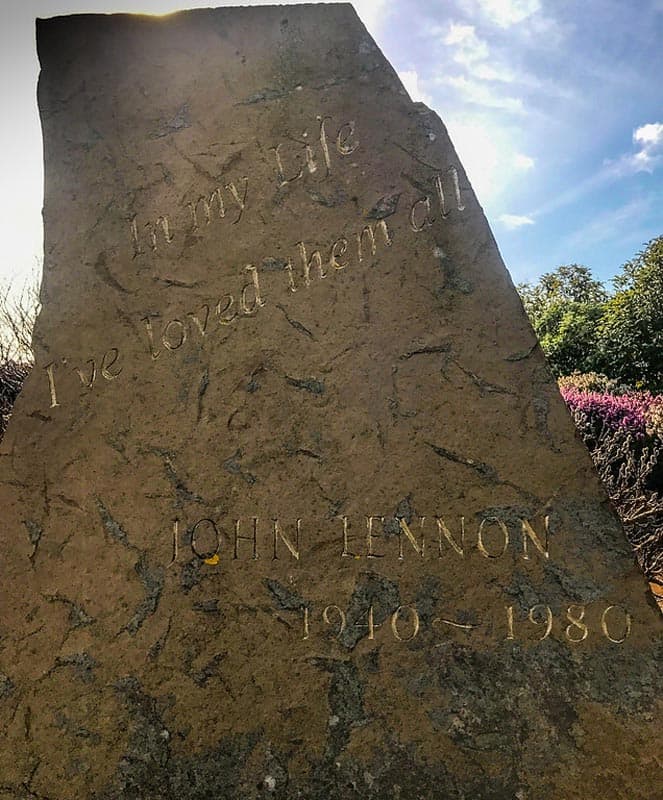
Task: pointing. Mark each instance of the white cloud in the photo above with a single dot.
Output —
(371, 12)
(525, 20)
(489, 152)
(523, 162)
(480, 62)
(468, 48)
(477, 71)
(503, 13)
(506, 13)
(547, 32)
(410, 80)
(650, 139)
(514, 221)
(649, 134)
(648, 156)
(490, 72)
(480, 153)
(482, 95)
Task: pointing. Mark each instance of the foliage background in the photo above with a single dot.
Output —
(606, 349)
(584, 328)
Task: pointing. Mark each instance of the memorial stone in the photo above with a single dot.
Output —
(291, 506)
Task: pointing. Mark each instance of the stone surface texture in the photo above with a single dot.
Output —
(195, 379)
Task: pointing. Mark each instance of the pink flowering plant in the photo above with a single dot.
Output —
(629, 412)
(624, 434)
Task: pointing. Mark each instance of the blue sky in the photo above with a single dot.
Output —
(555, 108)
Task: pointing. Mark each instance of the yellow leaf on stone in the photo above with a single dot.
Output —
(213, 561)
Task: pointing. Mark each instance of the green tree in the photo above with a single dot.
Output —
(565, 307)
(630, 332)
(570, 283)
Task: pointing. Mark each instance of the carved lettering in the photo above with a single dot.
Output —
(200, 324)
(480, 542)
(207, 207)
(529, 534)
(420, 214)
(85, 380)
(154, 354)
(109, 359)
(338, 250)
(509, 623)
(575, 619)
(405, 622)
(258, 302)
(239, 200)
(279, 534)
(442, 530)
(339, 613)
(414, 619)
(306, 158)
(452, 173)
(343, 144)
(414, 536)
(252, 538)
(626, 626)
(291, 278)
(222, 310)
(370, 535)
(323, 143)
(548, 619)
(369, 230)
(176, 541)
(208, 555)
(346, 547)
(162, 224)
(315, 261)
(50, 372)
(214, 207)
(370, 623)
(87, 377)
(404, 530)
(249, 309)
(282, 179)
(310, 155)
(174, 334)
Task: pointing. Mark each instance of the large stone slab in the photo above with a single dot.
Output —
(291, 505)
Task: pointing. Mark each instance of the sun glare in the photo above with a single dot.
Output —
(161, 8)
